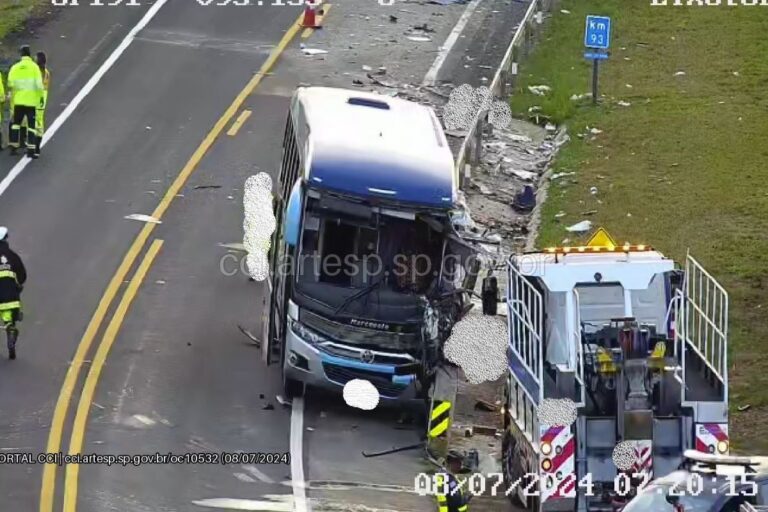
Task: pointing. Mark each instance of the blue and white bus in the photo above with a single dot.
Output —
(367, 271)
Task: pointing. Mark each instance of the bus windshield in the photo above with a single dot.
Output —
(384, 259)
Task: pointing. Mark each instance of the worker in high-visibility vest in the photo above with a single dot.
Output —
(40, 116)
(450, 496)
(25, 82)
(2, 107)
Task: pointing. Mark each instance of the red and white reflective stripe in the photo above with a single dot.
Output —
(559, 481)
(643, 463)
(710, 435)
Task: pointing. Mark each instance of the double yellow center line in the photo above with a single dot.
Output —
(47, 492)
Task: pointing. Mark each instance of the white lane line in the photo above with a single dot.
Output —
(297, 456)
(431, 76)
(87, 88)
(238, 504)
(254, 471)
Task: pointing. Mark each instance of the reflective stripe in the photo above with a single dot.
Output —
(7, 273)
(10, 305)
(442, 508)
(463, 508)
(26, 84)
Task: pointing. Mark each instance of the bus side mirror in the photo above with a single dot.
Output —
(293, 215)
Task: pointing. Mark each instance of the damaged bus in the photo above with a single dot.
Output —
(367, 273)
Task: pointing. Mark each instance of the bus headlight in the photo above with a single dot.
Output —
(306, 334)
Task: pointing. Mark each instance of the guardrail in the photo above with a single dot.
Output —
(503, 80)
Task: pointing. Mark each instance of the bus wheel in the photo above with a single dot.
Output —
(292, 388)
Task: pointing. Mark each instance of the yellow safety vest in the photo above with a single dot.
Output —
(26, 83)
(442, 497)
(46, 86)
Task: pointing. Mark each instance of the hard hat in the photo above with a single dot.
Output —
(3, 232)
(25, 50)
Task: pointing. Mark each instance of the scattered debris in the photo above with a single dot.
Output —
(743, 408)
(550, 127)
(595, 131)
(560, 215)
(250, 336)
(482, 405)
(565, 11)
(419, 39)
(628, 86)
(160, 281)
(593, 191)
(525, 175)
(579, 97)
(313, 51)
(680, 73)
(234, 247)
(268, 407)
(143, 218)
(735, 73)
(282, 401)
(525, 201)
(539, 90)
(580, 227)
(559, 175)
(367, 68)
(624, 103)
(203, 187)
(392, 19)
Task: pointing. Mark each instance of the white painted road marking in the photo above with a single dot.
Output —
(431, 76)
(85, 91)
(297, 456)
(237, 504)
(254, 471)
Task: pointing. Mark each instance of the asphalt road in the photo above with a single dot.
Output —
(166, 369)
(178, 357)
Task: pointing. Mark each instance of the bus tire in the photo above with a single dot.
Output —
(292, 388)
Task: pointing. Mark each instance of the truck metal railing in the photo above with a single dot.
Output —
(525, 321)
(579, 348)
(702, 322)
(748, 507)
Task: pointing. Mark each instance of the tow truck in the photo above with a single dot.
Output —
(636, 345)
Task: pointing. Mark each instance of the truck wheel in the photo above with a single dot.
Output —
(511, 473)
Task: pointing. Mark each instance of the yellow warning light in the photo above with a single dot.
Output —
(546, 464)
(601, 241)
(601, 238)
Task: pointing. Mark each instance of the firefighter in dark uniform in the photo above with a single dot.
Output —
(450, 496)
(12, 278)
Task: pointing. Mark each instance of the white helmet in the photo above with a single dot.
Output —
(3, 232)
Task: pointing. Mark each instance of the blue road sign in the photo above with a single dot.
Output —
(595, 55)
(598, 32)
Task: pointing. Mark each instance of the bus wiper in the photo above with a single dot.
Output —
(365, 291)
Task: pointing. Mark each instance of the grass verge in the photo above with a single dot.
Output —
(13, 14)
(684, 166)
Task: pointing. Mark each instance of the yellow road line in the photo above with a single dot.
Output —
(244, 115)
(89, 388)
(309, 31)
(48, 487)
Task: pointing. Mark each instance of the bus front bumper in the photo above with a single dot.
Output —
(313, 367)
